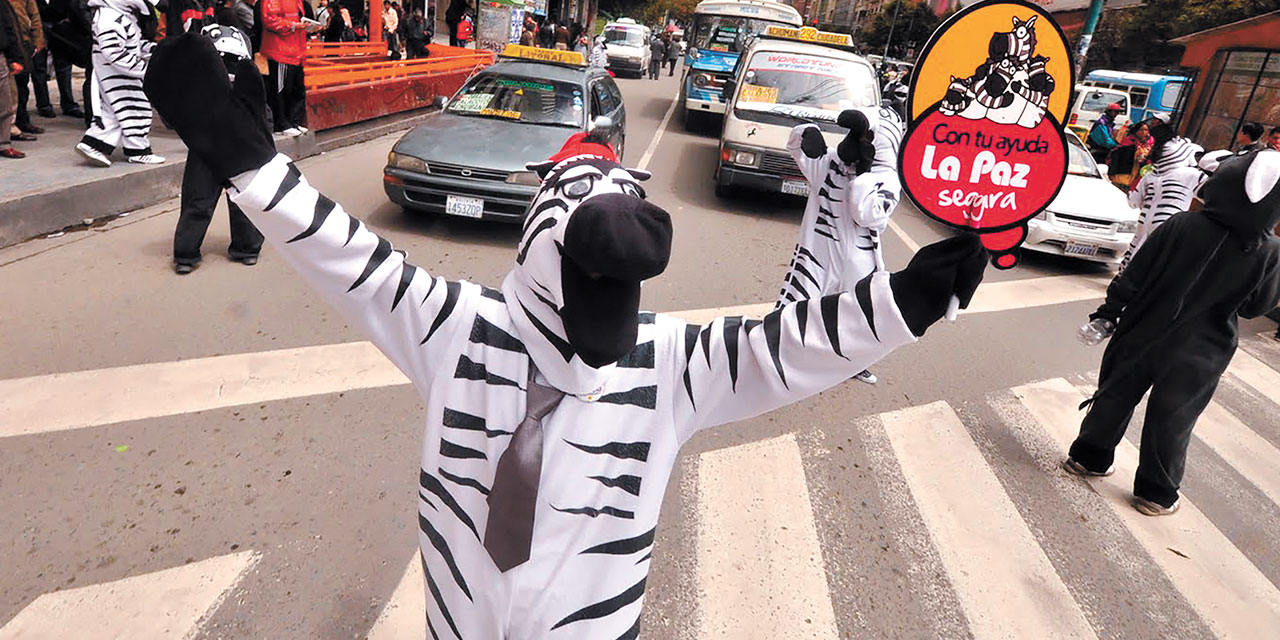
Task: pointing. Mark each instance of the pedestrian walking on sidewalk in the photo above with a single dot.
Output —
(31, 34)
(121, 111)
(201, 189)
(673, 54)
(52, 13)
(10, 63)
(1173, 313)
(284, 42)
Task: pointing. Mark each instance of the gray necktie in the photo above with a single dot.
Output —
(509, 532)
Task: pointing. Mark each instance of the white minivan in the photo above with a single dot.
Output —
(787, 77)
(627, 45)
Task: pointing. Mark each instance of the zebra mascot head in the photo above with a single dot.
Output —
(590, 239)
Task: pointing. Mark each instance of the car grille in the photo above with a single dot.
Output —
(781, 164)
(459, 171)
(1093, 222)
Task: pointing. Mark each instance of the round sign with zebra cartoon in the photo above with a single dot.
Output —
(985, 149)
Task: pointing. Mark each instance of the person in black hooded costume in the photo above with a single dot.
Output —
(1174, 316)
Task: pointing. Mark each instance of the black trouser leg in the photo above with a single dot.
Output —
(22, 119)
(40, 81)
(87, 96)
(200, 191)
(1178, 397)
(66, 92)
(295, 90)
(1108, 418)
(246, 240)
(278, 120)
(453, 34)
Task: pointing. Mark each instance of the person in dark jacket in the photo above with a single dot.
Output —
(415, 35)
(453, 16)
(51, 13)
(1174, 314)
(10, 63)
(31, 35)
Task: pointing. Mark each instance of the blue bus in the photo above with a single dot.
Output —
(1149, 93)
(720, 31)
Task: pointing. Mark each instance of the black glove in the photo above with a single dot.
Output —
(812, 143)
(857, 149)
(223, 125)
(950, 267)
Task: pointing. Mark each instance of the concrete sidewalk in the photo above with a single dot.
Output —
(54, 187)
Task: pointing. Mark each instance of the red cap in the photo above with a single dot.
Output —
(577, 145)
(1115, 106)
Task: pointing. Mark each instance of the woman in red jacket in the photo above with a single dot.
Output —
(284, 43)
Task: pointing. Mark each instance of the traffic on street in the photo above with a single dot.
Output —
(237, 451)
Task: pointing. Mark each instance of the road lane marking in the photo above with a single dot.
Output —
(405, 616)
(760, 567)
(164, 604)
(1249, 453)
(61, 401)
(662, 128)
(912, 245)
(1256, 374)
(1007, 587)
(1225, 589)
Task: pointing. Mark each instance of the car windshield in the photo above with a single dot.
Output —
(631, 37)
(1080, 163)
(1098, 101)
(726, 33)
(805, 87)
(531, 100)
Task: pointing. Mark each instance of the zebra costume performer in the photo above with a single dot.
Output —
(1167, 189)
(121, 112)
(555, 410)
(853, 189)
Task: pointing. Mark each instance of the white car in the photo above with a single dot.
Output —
(1090, 218)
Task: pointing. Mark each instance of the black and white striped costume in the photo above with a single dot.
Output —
(121, 111)
(612, 441)
(840, 240)
(1166, 190)
(1011, 87)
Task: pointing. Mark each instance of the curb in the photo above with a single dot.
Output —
(38, 214)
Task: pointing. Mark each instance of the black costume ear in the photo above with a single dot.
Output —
(540, 168)
(639, 174)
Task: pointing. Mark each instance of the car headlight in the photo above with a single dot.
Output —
(527, 178)
(406, 162)
(702, 80)
(740, 157)
(1128, 226)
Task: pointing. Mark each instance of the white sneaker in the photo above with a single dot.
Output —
(1150, 508)
(867, 377)
(1071, 466)
(149, 158)
(302, 129)
(93, 155)
(291, 132)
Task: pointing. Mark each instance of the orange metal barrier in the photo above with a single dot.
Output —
(352, 81)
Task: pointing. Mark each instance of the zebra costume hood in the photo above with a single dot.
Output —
(1168, 189)
(1177, 153)
(134, 7)
(589, 241)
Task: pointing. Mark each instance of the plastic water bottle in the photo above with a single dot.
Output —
(1093, 333)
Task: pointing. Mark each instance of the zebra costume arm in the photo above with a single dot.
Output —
(118, 38)
(812, 168)
(736, 368)
(409, 315)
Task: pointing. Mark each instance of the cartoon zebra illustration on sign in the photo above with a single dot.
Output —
(555, 409)
(121, 111)
(1011, 87)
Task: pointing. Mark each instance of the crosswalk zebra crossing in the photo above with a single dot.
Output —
(945, 519)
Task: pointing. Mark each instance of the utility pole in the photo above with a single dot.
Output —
(897, 4)
(1086, 35)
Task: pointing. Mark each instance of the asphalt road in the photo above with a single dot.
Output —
(925, 506)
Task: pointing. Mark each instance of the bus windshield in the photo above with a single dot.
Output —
(625, 36)
(727, 34)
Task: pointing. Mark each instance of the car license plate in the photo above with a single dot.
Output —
(465, 207)
(1081, 249)
(795, 187)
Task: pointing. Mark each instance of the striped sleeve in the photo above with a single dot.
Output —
(736, 368)
(408, 314)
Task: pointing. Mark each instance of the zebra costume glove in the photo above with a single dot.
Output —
(220, 123)
(951, 267)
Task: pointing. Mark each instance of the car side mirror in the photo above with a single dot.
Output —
(730, 87)
(440, 102)
(602, 122)
(1104, 170)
